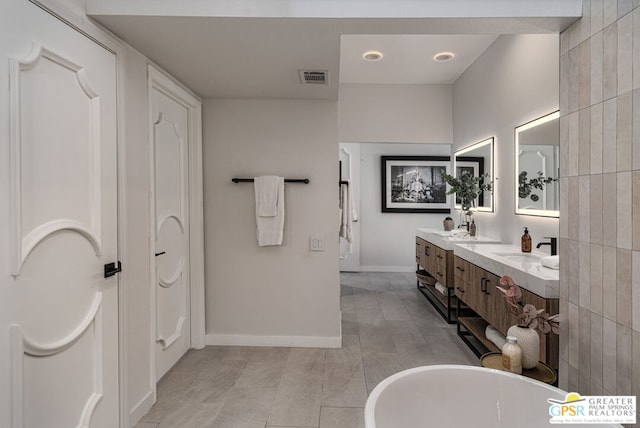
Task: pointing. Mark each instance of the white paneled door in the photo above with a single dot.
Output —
(171, 205)
(350, 170)
(58, 224)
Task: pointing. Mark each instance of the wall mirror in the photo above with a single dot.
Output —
(476, 159)
(537, 161)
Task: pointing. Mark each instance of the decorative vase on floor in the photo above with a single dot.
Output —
(529, 342)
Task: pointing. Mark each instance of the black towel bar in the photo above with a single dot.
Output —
(286, 180)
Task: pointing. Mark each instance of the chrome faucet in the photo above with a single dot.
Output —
(553, 244)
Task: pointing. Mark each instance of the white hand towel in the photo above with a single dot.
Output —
(551, 262)
(495, 336)
(270, 229)
(348, 214)
(267, 195)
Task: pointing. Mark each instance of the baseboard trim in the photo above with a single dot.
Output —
(280, 341)
(141, 409)
(387, 268)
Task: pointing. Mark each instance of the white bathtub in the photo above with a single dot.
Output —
(461, 396)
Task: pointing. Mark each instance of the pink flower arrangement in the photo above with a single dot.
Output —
(528, 315)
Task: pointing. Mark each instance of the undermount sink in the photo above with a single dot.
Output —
(453, 233)
(520, 257)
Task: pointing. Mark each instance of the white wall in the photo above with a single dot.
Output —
(386, 120)
(396, 113)
(284, 295)
(513, 82)
(388, 239)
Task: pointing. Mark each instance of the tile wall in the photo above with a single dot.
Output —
(600, 212)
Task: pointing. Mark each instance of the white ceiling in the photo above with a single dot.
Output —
(259, 57)
(408, 58)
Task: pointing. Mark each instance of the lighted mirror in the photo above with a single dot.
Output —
(537, 161)
(476, 160)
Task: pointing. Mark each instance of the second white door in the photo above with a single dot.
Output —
(170, 120)
(350, 164)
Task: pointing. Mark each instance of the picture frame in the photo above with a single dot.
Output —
(414, 184)
(475, 165)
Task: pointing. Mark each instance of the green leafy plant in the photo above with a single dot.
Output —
(527, 185)
(467, 187)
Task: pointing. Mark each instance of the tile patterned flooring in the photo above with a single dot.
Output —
(387, 326)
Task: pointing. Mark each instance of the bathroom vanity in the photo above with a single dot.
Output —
(477, 272)
(434, 254)
(470, 270)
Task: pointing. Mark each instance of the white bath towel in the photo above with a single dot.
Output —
(551, 262)
(495, 336)
(267, 195)
(348, 212)
(441, 288)
(269, 224)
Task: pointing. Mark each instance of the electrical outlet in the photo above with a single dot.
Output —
(316, 244)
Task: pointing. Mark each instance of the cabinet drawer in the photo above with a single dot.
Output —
(462, 269)
(440, 264)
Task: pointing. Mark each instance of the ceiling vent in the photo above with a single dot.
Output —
(314, 77)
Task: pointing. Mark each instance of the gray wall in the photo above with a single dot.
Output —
(513, 82)
(396, 113)
(283, 295)
(600, 188)
(387, 241)
(391, 120)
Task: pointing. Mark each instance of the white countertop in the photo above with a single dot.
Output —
(507, 259)
(446, 240)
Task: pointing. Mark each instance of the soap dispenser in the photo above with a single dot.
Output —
(525, 242)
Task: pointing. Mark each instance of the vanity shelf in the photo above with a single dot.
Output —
(445, 305)
(471, 331)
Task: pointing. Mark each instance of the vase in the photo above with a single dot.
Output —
(529, 342)
(448, 224)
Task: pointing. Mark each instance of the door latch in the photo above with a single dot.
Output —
(110, 269)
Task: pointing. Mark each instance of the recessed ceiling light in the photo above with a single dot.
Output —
(372, 55)
(444, 56)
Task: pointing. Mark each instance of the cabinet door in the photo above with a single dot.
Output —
(448, 268)
(477, 286)
(419, 246)
(499, 314)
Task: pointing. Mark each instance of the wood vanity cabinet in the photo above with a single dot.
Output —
(438, 262)
(477, 288)
(426, 256)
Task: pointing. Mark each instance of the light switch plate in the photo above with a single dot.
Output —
(316, 244)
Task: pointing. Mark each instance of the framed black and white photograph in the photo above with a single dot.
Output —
(414, 184)
(475, 167)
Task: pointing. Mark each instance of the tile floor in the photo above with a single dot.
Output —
(387, 326)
